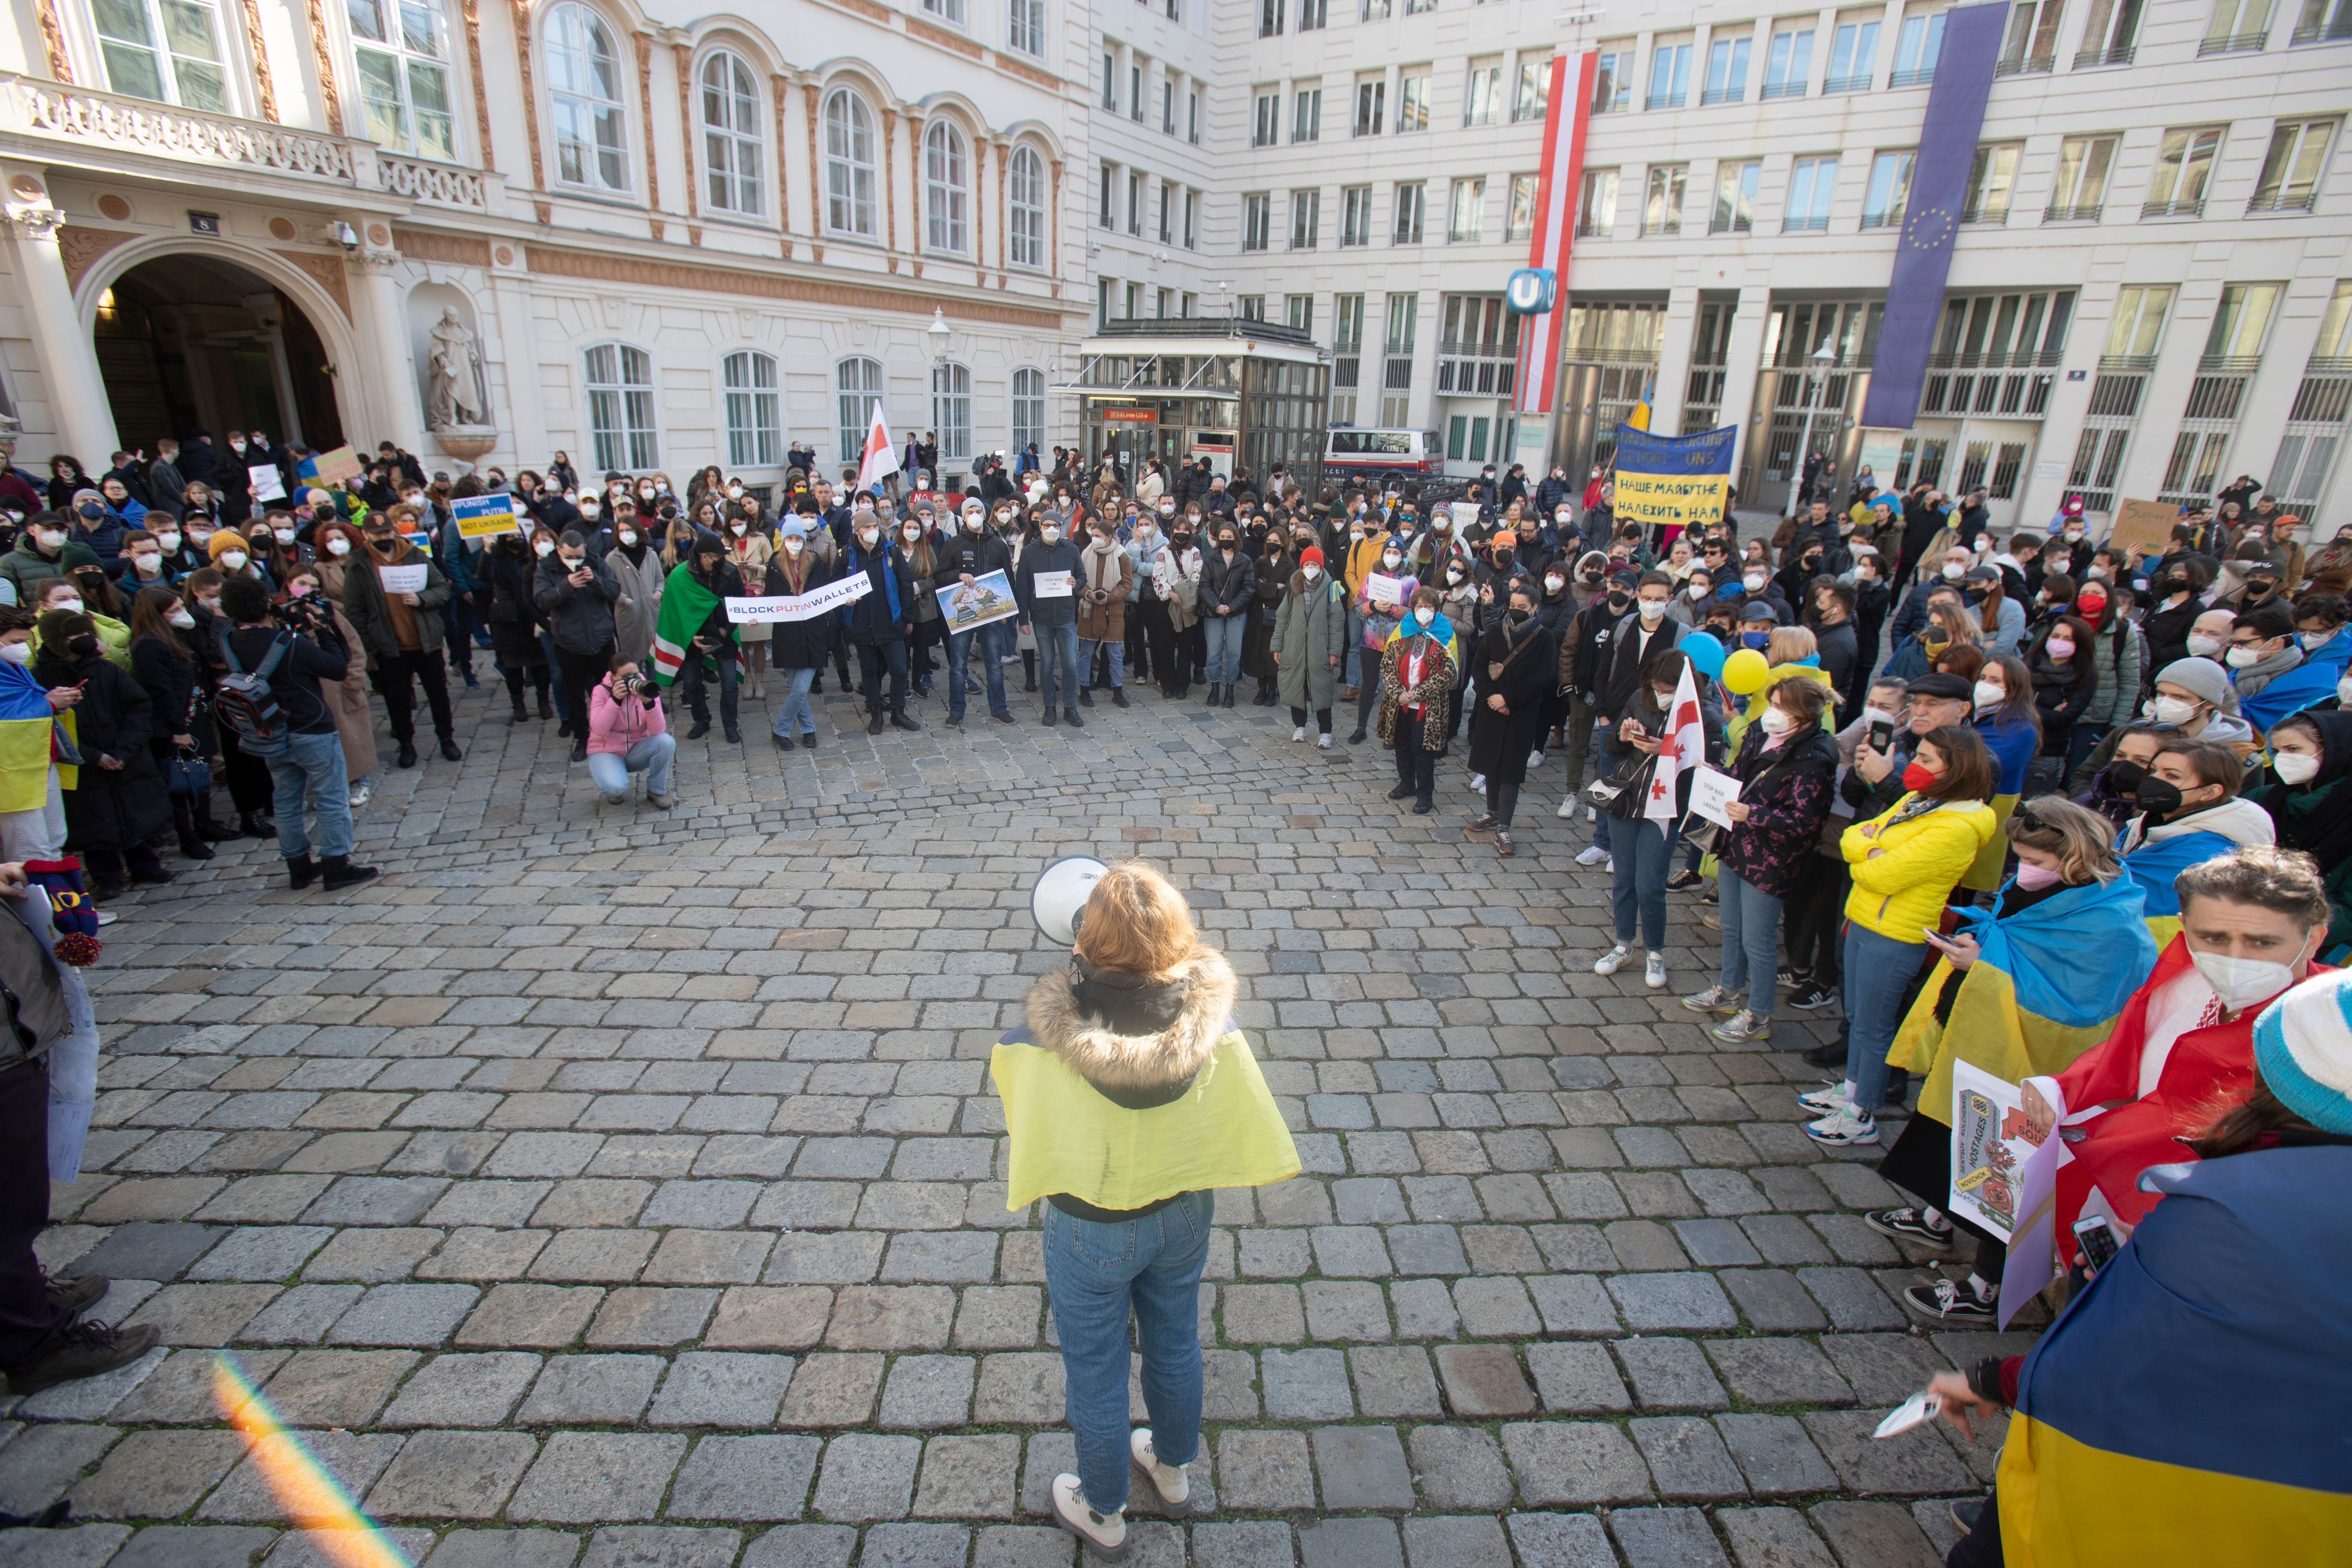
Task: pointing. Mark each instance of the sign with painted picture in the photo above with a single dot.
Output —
(987, 598)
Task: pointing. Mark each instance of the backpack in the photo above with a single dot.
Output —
(248, 705)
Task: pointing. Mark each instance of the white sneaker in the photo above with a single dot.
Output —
(1591, 813)
(1654, 972)
(1612, 960)
(1843, 1127)
(1323, 742)
(1535, 758)
(1567, 812)
(1175, 1487)
(1828, 1100)
(1610, 865)
(1478, 784)
(1299, 733)
(1106, 1532)
(359, 794)
(1593, 856)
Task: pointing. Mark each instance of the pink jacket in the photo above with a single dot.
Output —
(615, 726)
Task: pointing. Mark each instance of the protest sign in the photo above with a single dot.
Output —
(404, 579)
(988, 598)
(480, 516)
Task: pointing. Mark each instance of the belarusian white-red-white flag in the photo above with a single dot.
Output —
(1684, 748)
(880, 459)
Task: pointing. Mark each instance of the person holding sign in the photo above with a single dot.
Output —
(797, 650)
(394, 601)
(975, 551)
(574, 592)
(879, 623)
(1045, 582)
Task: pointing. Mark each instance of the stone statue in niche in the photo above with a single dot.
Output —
(455, 395)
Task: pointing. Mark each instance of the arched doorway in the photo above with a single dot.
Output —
(199, 342)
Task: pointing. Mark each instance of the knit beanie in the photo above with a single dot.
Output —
(2303, 1045)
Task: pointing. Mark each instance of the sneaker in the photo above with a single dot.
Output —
(1713, 999)
(1743, 1026)
(1829, 1097)
(1298, 732)
(1175, 1487)
(1909, 1225)
(1478, 784)
(83, 1349)
(1486, 824)
(1567, 812)
(1842, 1128)
(1612, 960)
(359, 792)
(1534, 758)
(1106, 1532)
(1593, 856)
(662, 802)
(1653, 971)
(1953, 1302)
(1786, 977)
(1591, 813)
(1323, 742)
(1966, 1511)
(1683, 877)
(1809, 996)
(77, 1295)
(1503, 845)
(1610, 865)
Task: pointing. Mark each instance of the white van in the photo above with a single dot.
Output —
(1366, 457)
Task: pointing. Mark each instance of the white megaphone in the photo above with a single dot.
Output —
(1060, 897)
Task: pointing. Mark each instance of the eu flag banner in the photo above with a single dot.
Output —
(1673, 480)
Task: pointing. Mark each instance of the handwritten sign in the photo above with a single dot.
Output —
(334, 466)
(480, 516)
(1052, 584)
(1684, 498)
(800, 606)
(2146, 523)
(1388, 592)
(268, 484)
(404, 579)
(1712, 789)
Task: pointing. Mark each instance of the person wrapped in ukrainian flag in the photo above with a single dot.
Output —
(2020, 990)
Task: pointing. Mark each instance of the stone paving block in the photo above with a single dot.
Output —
(604, 1256)
(155, 1475)
(462, 1390)
(1772, 1538)
(722, 1388)
(336, 1388)
(1264, 1545)
(1874, 1532)
(1263, 1470)
(968, 1478)
(891, 1318)
(1393, 1381)
(866, 1477)
(591, 1391)
(1459, 1468)
(659, 1546)
(1261, 1314)
(759, 1478)
(150, 1250)
(1779, 1372)
(928, 1392)
(260, 1252)
(202, 1314)
(1305, 1385)
(372, 1256)
(375, 1200)
(643, 1318)
(1425, 1249)
(1577, 1378)
(999, 1317)
(1851, 1299)
(587, 1477)
(479, 1254)
(769, 1317)
(1575, 1464)
(1044, 1546)
(1424, 1309)
(1666, 1538)
(1022, 1389)
(1672, 1303)
(535, 1317)
(1350, 1543)
(79, 1546)
(353, 1459)
(707, 1257)
(1670, 1375)
(42, 1460)
(1560, 1540)
(1687, 1458)
(504, 1548)
(1483, 1381)
(191, 1546)
(452, 1475)
(179, 1392)
(1773, 1301)
(1362, 1468)
(1345, 1250)
(1715, 1243)
(803, 1546)
(1917, 1463)
(1776, 1455)
(1574, 1304)
(420, 1316)
(832, 1390)
(331, 1548)
(1454, 1543)
(1884, 1369)
(916, 1546)
(1495, 1307)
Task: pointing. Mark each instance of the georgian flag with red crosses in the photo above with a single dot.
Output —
(1684, 746)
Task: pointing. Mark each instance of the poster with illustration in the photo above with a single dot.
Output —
(1990, 1145)
(988, 597)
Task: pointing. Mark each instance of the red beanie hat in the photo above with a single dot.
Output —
(1311, 556)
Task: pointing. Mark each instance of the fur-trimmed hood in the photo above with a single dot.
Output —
(1204, 992)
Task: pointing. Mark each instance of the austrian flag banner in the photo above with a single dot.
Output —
(1683, 749)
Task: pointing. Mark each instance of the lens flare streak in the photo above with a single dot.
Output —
(314, 1500)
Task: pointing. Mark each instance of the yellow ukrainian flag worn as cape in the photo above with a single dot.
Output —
(1224, 1131)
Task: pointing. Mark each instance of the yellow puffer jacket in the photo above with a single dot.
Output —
(1900, 894)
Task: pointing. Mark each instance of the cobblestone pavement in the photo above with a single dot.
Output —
(614, 1187)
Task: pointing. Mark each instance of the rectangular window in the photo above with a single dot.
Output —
(754, 410)
(1134, 203)
(1133, 301)
(1396, 373)
(1915, 50)
(1306, 115)
(2324, 22)
(1466, 214)
(1482, 100)
(1414, 98)
(2032, 42)
(2081, 191)
(2183, 164)
(1376, 10)
(1312, 15)
(1521, 223)
(952, 10)
(1103, 286)
(1409, 200)
(1734, 197)
(1992, 176)
(401, 50)
(1669, 76)
(1402, 309)
(1889, 190)
(1299, 309)
(1355, 214)
(1253, 306)
(1167, 213)
(1348, 323)
(1371, 98)
(2291, 169)
(1257, 213)
(2137, 324)
(1812, 183)
(1416, 7)
(1726, 71)
(621, 408)
(1193, 115)
(1305, 218)
(2240, 323)
(1612, 81)
(2112, 36)
(2237, 28)
(1163, 303)
(1110, 80)
(1531, 99)
(1596, 207)
(1269, 19)
(1108, 216)
(1168, 107)
(1788, 63)
(1135, 93)
(1266, 118)
(1662, 208)
(1191, 220)
(1027, 31)
(1854, 54)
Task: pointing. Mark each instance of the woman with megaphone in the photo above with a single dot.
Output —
(1129, 1095)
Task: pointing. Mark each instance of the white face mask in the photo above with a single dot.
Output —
(2172, 710)
(1554, 584)
(588, 508)
(734, 493)
(198, 536)
(2245, 657)
(911, 531)
(2314, 641)
(1753, 579)
(1455, 573)
(2243, 982)
(234, 560)
(1991, 694)
(283, 535)
(415, 498)
(1391, 560)
(572, 563)
(2295, 767)
(236, 444)
(1954, 571)
(545, 548)
(1167, 509)
(1878, 716)
(1424, 615)
(1003, 519)
(628, 536)
(181, 618)
(147, 565)
(1651, 609)
(1776, 722)
(794, 544)
(739, 528)
(2203, 646)
(18, 652)
(339, 545)
(1311, 570)
(51, 539)
(1050, 534)
(645, 492)
(74, 603)
(869, 537)
(169, 539)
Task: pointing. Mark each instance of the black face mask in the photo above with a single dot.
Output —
(1502, 560)
(82, 646)
(1618, 600)
(1590, 579)
(1519, 617)
(2124, 776)
(2155, 795)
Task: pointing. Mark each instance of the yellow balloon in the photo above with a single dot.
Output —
(1745, 672)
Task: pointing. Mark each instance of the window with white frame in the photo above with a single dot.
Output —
(951, 411)
(1305, 218)
(946, 10)
(1134, 202)
(1670, 68)
(2236, 27)
(1269, 19)
(1482, 98)
(583, 87)
(1298, 310)
(1413, 99)
(1028, 408)
(1532, 97)
(2183, 165)
(167, 50)
(1370, 93)
(1466, 213)
(1026, 26)
(755, 434)
(1788, 63)
(1662, 207)
(1306, 115)
(1612, 79)
(1110, 80)
(2137, 324)
(1265, 117)
(2291, 168)
(1992, 180)
(1166, 215)
(1312, 14)
(1106, 209)
(621, 408)
(1889, 191)
(1812, 183)
(1735, 197)
(1257, 210)
(2112, 36)
(2240, 323)
(1191, 220)
(1409, 202)
(1726, 71)
(1355, 214)
(1521, 223)
(1596, 205)
(2031, 44)
(857, 388)
(402, 51)
(731, 142)
(2080, 191)
(1168, 105)
(849, 169)
(1918, 46)
(1854, 56)
(947, 191)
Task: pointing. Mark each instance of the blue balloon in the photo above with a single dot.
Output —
(1706, 654)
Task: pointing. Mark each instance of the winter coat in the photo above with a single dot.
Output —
(506, 568)
(1528, 671)
(1439, 680)
(1787, 793)
(1618, 685)
(1310, 630)
(2317, 817)
(581, 619)
(1231, 584)
(977, 555)
(364, 603)
(108, 808)
(24, 568)
(1270, 585)
(614, 727)
(1927, 844)
(869, 620)
(1113, 576)
(809, 644)
(169, 680)
(2060, 697)
(637, 611)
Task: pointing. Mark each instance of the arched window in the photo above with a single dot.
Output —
(755, 437)
(403, 49)
(860, 384)
(584, 83)
(730, 136)
(848, 165)
(168, 51)
(621, 408)
(1026, 200)
(947, 191)
(1028, 408)
(952, 412)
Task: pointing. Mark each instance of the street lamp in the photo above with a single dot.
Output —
(1816, 369)
(939, 331)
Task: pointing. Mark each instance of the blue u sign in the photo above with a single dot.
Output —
(1531, 290)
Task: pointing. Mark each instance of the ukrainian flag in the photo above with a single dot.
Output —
(2188, 1409)
(2157, 861)
(2046, 986)
(27, 726)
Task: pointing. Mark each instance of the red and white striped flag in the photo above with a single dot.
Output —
(1684, 747)
(880, 459)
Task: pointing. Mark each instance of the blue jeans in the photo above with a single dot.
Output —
(312, 765)
(1117, 651)
(562, 692)
(649, 756)
(1751, 939)
(1225, 634)
(794, 714)
(1057, 665)
(1878, 971)
(1095, 1273)
(991, 638)
(1642, 856)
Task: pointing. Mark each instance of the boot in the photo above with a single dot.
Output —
(1029, 670)
(253, 824)
(341, 873)
(183, 821)
(1119, 696)
(539, 684)
(1214, 690)
(1229, 695)
(514, 693)
(1085, 696)
(300, 871)
(207, 829)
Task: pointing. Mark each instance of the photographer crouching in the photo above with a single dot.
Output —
(628, 733)
(1128, 1096)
